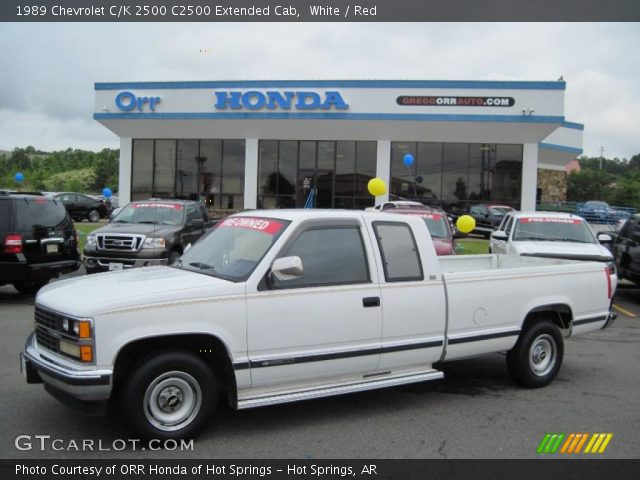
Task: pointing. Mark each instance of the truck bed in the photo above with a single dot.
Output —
(477, 263)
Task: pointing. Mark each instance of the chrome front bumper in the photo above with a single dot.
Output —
(83, 384)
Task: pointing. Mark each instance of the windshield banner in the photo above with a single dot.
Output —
(270, 227)
(173, 206)
(574, 221)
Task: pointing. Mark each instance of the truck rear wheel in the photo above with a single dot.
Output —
(537, 356)
(169, 395)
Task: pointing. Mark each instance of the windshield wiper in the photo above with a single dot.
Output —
(147, 221)
(203, 266)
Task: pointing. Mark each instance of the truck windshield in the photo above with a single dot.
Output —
(552, 230)
(149, 212)
(233, 249)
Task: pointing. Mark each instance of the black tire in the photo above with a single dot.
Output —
(537, 356)
(173, 256)
(93, 216)
(30, 287)
(166, 384)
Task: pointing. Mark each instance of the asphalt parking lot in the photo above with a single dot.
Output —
(475, 412)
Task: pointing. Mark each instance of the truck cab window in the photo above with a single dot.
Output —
(330, 256)
(399, 252)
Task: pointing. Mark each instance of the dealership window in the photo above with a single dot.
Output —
(322, 174)
(211, 171)
(454, 175)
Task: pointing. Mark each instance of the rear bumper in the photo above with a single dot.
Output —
(83, 385)
(611, 319)
(19, 271)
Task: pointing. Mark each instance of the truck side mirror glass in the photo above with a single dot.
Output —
(196, 223)
(500, 235)
(287, 268)
(604, 238)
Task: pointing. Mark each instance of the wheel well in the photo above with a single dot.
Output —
(559, 314)
(207, 347)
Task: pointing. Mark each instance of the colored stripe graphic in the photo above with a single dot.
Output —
(573, 443)
(551, 442)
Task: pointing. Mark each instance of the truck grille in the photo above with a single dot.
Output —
(120, 242)
(48, 319)
(47, 340)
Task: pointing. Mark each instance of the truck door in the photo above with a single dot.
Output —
(324, 324)
(413, 299)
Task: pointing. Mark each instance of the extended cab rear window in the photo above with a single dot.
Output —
(399, 252)
(38, 212)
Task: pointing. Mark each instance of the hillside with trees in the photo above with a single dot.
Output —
(66, 170)
(617, 183)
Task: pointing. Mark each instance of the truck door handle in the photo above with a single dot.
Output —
(371, 302)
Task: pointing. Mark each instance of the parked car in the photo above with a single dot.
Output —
(284, 305)
(403, 204)
(552, 235)
(488, 217)
(38, 241)
(82, 207)
(144, 233)
(601, 212)
(626, 250)
(442, 233)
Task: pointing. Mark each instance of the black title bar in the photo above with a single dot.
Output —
(318, 11)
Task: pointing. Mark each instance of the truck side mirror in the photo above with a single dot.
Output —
(196, 223)
(500, 235)
(287, 268)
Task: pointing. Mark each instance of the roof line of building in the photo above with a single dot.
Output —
(560, 148)
(479, 84)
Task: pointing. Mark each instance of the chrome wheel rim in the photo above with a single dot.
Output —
(172, 401)
(542, 355)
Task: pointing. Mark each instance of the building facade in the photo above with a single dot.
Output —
(279, 144)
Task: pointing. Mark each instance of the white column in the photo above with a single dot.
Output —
(529, 177)
(383, 167)
(250, 173)
(124, 171)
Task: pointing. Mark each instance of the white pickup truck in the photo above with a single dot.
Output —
(278, 306)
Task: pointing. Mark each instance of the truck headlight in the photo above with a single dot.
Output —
(91, 241)
(154, 243)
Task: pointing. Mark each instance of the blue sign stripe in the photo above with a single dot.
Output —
(431, 117)
(560, 148)
(494, 85)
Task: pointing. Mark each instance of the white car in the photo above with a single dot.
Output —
(403, 204)
(552, 235)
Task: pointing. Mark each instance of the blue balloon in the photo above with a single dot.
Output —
(407, 159)
(19, 177)
(106, 191)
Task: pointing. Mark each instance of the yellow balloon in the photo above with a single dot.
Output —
(377, 187)
(465, 223)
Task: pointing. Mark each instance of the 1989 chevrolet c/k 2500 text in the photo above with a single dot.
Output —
(277, 306)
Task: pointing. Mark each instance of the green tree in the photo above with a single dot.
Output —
(588, 184)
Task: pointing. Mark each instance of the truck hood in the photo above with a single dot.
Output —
(581, 251)
(150, 230)
(90, 295)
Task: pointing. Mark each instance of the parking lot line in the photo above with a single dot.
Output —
(624, 311)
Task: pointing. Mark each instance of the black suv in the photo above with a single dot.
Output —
(38, 241)
(82, 206)
(626, 250)
(145, 233)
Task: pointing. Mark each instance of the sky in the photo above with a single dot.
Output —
(48, 70)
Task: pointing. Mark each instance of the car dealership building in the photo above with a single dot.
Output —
(269, 144)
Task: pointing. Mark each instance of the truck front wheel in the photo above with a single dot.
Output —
(169, 395)
(537, 356)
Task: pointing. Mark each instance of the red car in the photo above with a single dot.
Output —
(438, 225)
